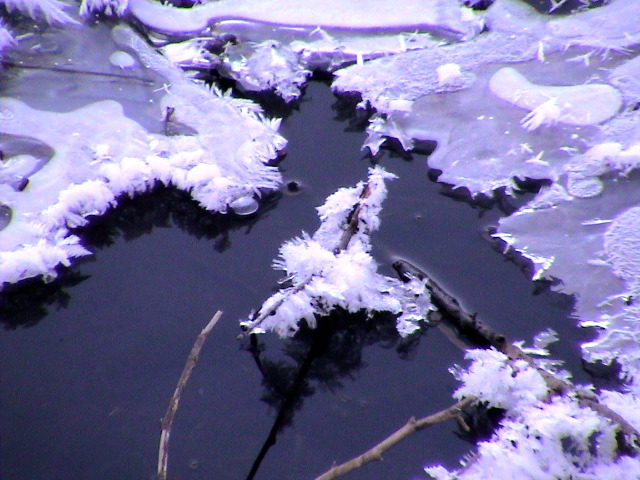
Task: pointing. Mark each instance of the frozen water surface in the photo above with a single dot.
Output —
(529, 96)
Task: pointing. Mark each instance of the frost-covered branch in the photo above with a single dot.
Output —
(334, 269)
(551, 425)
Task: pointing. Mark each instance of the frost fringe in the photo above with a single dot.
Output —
(334, 269)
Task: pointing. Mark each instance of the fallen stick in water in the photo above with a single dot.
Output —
(167, 421)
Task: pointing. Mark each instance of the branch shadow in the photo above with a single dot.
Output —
(320, 358)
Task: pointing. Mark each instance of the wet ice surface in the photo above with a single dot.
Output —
(517, 108)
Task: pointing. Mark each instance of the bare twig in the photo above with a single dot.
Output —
(409, 428)
(167, 421)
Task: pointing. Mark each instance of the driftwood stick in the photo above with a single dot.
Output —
(409, 428)
(167, 421)
(467, 323)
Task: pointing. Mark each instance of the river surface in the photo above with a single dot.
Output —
(90, 362)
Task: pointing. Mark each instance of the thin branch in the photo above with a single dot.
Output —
(465, 322)
(167, 421)
(408, 429)
(353, 221)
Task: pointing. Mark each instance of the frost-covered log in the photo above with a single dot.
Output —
(334, 268)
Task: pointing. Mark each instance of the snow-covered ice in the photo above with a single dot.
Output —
(100, 154)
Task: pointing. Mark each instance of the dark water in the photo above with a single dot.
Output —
(83, 389)
(89, 363)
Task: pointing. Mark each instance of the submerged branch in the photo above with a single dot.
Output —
(319, 345)
(474, 328)
(409, 428)
(167, 421)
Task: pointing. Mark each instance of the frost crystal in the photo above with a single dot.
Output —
(109, 7)
(265, 66)
(540, 438)
(334, 269)
(494, 380)
(558, 440)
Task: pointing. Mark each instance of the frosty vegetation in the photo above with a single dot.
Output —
(508, 94)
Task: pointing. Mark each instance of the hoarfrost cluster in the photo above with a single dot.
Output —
(540, 436)
(508, 94)
(334, 268)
